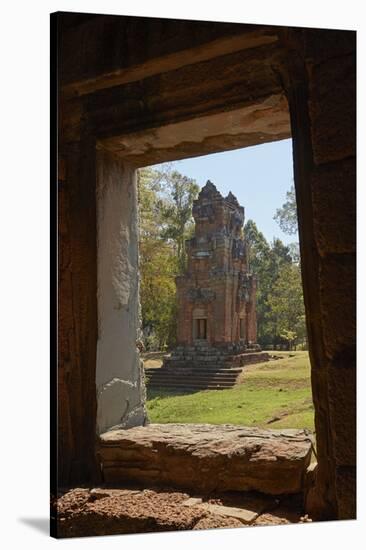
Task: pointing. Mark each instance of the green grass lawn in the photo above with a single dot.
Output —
(277, 390)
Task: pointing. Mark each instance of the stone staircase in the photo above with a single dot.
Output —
(195, 369)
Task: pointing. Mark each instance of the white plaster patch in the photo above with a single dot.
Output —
(118, 372)
(116, 399)
(122, 270)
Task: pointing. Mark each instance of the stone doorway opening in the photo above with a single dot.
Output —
(200, 332)
(118, 160)
(113, 437)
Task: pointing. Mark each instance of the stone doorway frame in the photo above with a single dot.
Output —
(302, 197)
(95, 170)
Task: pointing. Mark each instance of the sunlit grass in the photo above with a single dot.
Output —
(276, 394)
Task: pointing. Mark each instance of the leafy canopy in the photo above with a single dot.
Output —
(286, 216)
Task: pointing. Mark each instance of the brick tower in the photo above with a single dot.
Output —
(216, 328)
(216, 295)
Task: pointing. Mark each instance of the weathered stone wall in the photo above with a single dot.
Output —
(119, 49)
(321, 88)
(100, 376)
(77, 314)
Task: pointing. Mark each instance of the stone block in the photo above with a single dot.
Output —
(208, 458)
(192, 501)
(334, 204)
(245, 516)
(321, 45)
(346, 492)
(338, 302)
(332, 100)
(342, 409)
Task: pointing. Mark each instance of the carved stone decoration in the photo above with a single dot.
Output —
(238, 248)
(204, 295)
(245, 287)
(209, 191)
(232, 198)
(244, 294)
(203, 211)
(237, 219)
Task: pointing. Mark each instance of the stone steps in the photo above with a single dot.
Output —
(190, 367)
(193, 369)
(172, 385)
(242, 359)
(193, 372)
(188, 389)
(192, 376)
(198, 374)
(183, 388)
(176, 381)
(169, 378)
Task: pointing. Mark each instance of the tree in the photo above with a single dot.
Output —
(158, 264)
(286, 306)
(265, 261)
(258, 249)
(286, 216)
(165, 205)
(259, 260)
(177, 211)
(157, 294)
(294, 251)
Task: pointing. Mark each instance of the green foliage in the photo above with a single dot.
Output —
(286, 306)
(286, 216)
(278, 389)
(280, 308)
(176, 212)
(259, 257)
(158, 269)
(165, 206)
(294, 250)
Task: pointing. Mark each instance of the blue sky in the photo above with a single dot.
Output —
(259, 177)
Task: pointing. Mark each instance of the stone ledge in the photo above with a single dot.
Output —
(207, 457)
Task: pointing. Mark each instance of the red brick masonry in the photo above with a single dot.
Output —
(216, 295)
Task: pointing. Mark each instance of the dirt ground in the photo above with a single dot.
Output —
(153, 359)
(104, 511)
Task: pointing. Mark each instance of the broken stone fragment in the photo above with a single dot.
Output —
(245, 516)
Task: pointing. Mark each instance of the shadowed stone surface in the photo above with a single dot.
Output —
(207, 457)
(83, 512)
(112, 511)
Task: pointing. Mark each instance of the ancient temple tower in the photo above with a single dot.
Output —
(216, 295)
